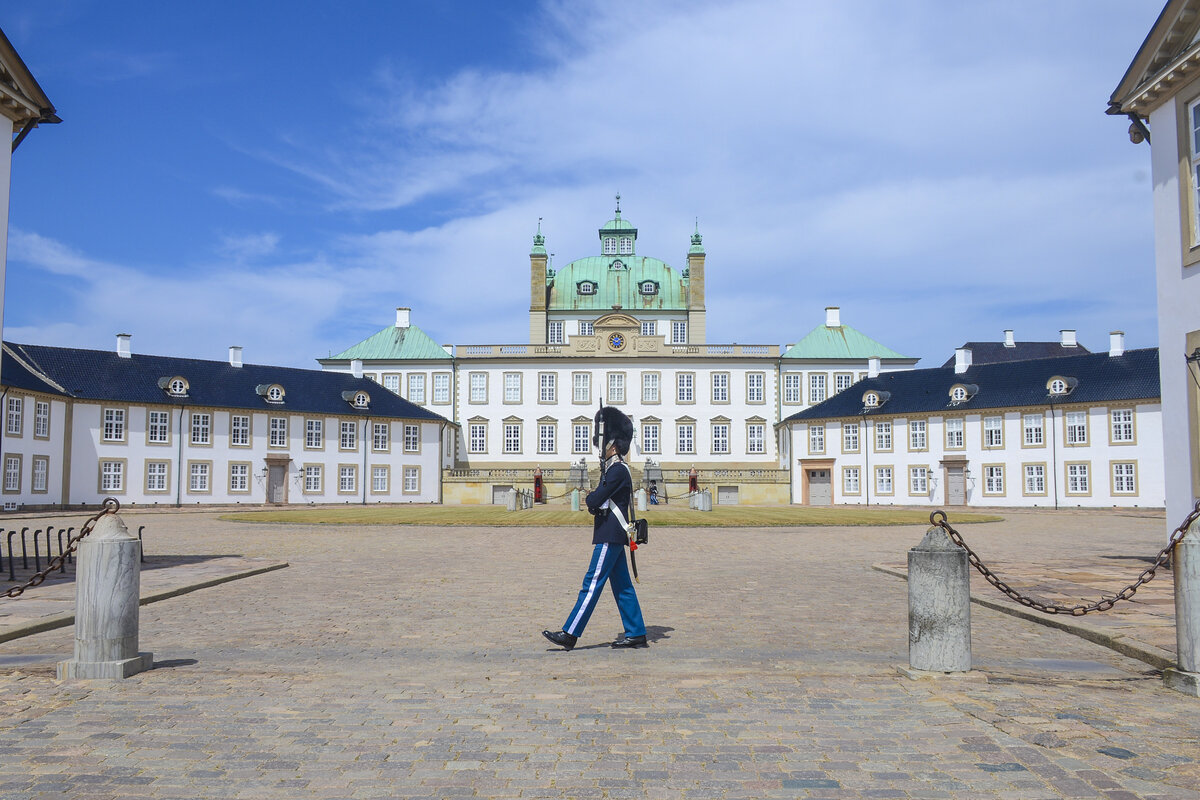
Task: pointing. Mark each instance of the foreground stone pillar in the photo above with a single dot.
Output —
(939, 605)
(1185, 567)
(107, 583)
(512, 500)
(574, 499)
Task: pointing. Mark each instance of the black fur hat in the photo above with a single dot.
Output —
(618, 429)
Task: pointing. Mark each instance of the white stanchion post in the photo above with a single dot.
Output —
(512, 500)
(1185, 567)
(939, 605)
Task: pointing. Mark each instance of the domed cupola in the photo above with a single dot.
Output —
(617, 236)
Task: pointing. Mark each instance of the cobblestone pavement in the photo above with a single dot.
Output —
(404, 662)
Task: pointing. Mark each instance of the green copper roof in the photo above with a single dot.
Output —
(395, 344)
(617, 286)
(840, 342)
(618, 224)
(539, 241)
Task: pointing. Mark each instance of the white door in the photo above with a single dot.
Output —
(500, 495)
(956, 486)
(820, 488)
(276, 483)
(727, 495)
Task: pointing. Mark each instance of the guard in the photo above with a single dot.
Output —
(609, 503)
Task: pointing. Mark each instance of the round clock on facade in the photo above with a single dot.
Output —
(616, 341)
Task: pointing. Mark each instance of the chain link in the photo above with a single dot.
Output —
(1048, 607)
(110, 506)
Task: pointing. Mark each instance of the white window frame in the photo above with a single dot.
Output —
(851, 480)
(1124, 477)
(547, 437)
(918, 435)
(756, 387)
(314, 434)
(201, 429)
(650, 437)
(441, 388)
(883, 436)
(157, 475)
(416, 388)
(512, 387)
(850, 437)
(15, 419)
(955, 433)
(512, 437)
(678, 332)
(239, 430)
(1034, 478)
(547, 387)
(348, 435)
(381, 434)
(278, 434)
(816, 388)
(114, 425)
(1121, 426)
(112, 476)
(587, 329)
(649, 327)
(1033, 430)
(581, 437)
(412, 438)
(158, 426)
(581, 387)
(199, 477)
(993, 432)
(918, 480)
(756, 438)
(791, 388)
(477, 437)
(41, 419)
(720, 387)
(616, 388)
(884, 483)
(816, 439)
(650, 387)
(1075, 427)
(685, 386)
(1079, 478)
(720, 438)
(554, 332)
(478, 382)
(239, 477)
(993, 479)
(685, 438)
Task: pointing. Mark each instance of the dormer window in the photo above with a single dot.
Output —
(626, 245)
(586, 287)
(618, 264)
(273, 392)
(962, 392)
(357, 399)
(649, 287)
(1060, 385)
(175, 387)
(874, 398)
(610, 245)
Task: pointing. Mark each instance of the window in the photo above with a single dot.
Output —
(958, 394)
(112, 476)
(816, 439)
(754, 387)
(1077, 479)
(392, 383)
(626, 245)
(816, 388)
(842, 381)
(1124, 477)
(546, 438)
(649, 387)
(586, 287)
(582, 382)
(441, 388)
(610, 245)
(201, 429)
(275, 394)
(41, 419)
(239, 477)
(687, 438)
(616, 387)
(198, 475)
(1076, 427)
(1058, 386)
(114, 423)
(347, 479)
(1121, 425)
(954, 433)
(1032, 430)
(158, 427)
(678, 332)
(587, 329)
(16, 406)
(850, 481)
(756, 438)
(917, 439)
(412, 439)
(416, 388)
(993, 479)
(883, 480)
(512, 387)
(918, 480)
(348, 436)
(12, 474)
(791, 388)
(649, 328)
(380, 478)
(314, 438)
(883, 435)
(312, 478)
(850, 437)
(547, 387)
(720, 437)
(512, 438)
(478, 383)
(554, 330)
(1035, 479)
(412, 480)
(41, 474)
(649, 287)
(993, 432)
(685, 386)
(477, 437)
(650, 437)
(380, 436)
(581, 437)
(278, 432)
(720, 387)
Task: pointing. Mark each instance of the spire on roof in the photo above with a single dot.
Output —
(539, 241)
(697, 239)
(618, 205)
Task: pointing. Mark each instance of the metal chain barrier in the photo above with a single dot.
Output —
(110, 506)
(1047, 607)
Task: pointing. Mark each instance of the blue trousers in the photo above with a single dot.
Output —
(607, 564)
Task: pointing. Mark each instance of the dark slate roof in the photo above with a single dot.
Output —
(103, 375)
(996, 352)
(1102, 379)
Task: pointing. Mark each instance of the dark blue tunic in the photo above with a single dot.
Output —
(618, 487)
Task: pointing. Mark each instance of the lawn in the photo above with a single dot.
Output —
(554, 516)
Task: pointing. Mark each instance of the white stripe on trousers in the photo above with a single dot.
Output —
(591, 589)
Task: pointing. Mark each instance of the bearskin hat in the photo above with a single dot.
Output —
(618, 429)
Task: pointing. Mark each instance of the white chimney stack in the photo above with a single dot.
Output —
(1068, 338)
(402, 317)
(356, 368)
(833, 317)
(962, 360)
(1009, 341)
(1116, 343)
(873, 367)
(123, 346)
(235, 356)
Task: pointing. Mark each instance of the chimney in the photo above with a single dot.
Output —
(962, 360)
(1009, 341)
(123, 348)
(1068, 338)
(402, 316)
(356, 367)
(1116, 343)
(873, 367)
(235, 356)
(833, 317)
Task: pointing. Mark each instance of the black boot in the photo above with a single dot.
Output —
(563, 639)
(630, 641)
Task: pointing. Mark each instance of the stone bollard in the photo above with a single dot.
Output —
(574, 499)
(107, 583)
(512, 500)
(641, 499)
(706, 500)
(939, 605)
(1185, 566)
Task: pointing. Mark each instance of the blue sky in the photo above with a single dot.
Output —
(282, 175)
